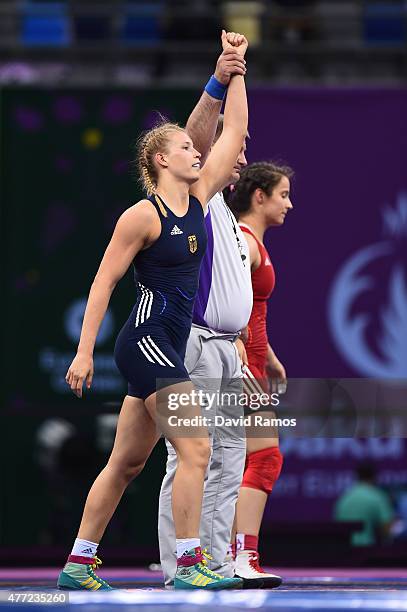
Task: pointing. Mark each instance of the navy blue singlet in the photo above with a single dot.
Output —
(150, 348)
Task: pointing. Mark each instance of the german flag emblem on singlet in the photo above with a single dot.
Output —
(193, 243)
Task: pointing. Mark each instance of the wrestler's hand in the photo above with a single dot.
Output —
(277, 373)
(235, 40)
(245, 334)
(230, 62)
(242, 352)
(80, 370)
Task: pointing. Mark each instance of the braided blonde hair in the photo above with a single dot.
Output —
(150, 143)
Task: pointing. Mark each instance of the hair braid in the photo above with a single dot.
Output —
(150, 143)
(148, 183)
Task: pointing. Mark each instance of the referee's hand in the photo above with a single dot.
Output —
(229, 63)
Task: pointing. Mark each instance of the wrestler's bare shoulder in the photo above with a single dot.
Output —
(142, 211)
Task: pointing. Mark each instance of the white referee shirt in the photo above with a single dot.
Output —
(225, 296)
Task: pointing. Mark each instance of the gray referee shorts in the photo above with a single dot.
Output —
(214, 365)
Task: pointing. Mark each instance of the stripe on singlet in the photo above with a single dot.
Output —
(144, 307)
(152, 352)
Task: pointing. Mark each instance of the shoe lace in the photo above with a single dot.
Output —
(94, 566)
(203, 566)
(254, 563)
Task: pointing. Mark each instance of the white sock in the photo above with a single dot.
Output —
(84, 548)
(186, 544)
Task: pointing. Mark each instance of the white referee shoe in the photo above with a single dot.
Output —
(254, 577)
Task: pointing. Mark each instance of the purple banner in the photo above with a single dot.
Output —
(340, 303)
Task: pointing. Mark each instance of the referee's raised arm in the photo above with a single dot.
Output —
(202, 123)
(224, 153)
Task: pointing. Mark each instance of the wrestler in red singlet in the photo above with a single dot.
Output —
(263, 281)
(260, 200)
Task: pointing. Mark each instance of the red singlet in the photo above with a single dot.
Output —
(263, 281)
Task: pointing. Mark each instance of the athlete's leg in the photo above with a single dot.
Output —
(220, 493)
(194, 360)
(193, 450)
(263, 466)
(166, 529)
(264, 460)
(197, 364)
(253, 495)
(136, 437)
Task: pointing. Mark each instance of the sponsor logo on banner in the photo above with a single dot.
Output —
(54, 361)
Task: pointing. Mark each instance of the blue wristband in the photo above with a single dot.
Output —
(215, 89)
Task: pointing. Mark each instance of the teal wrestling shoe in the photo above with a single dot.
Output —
(193, 573)
(79, 574)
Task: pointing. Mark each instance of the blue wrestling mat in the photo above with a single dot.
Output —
(142, 591)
